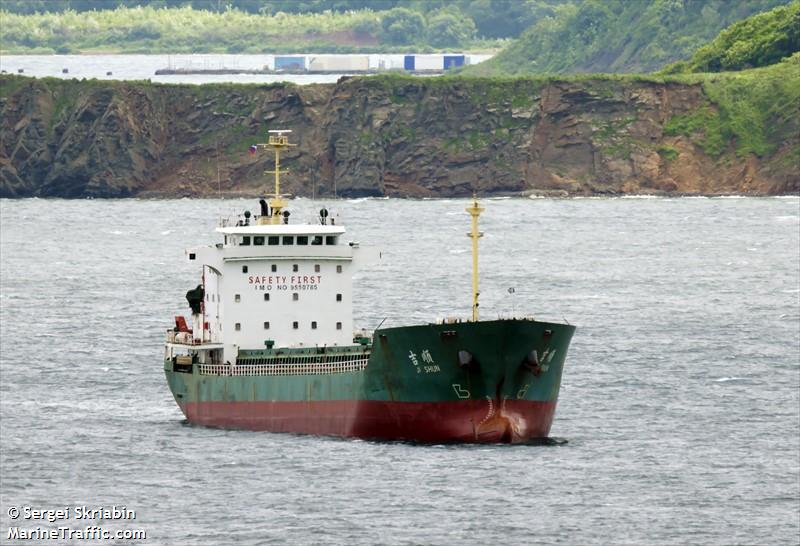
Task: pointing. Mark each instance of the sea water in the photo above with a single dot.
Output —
(678, 418)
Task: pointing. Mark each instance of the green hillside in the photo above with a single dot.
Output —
(760, 40)
(154, 29)
(619, 35)
(755, 110)
(268, 26)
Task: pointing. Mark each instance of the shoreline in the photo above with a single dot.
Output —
(164, 196)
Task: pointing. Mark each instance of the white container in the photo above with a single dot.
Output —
(338, 63)
(428, 62)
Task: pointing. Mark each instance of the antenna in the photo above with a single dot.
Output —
(277, 140)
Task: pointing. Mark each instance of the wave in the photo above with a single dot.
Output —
(642, 196)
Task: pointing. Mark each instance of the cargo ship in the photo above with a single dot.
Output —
(270, 345)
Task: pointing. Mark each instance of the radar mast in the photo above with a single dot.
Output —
(278, 139)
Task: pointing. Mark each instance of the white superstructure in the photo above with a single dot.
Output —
(271, 283)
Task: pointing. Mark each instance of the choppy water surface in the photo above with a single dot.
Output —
(679, 400)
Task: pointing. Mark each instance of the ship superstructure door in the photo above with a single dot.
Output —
(211, 307)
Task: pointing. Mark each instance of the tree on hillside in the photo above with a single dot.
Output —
(449, 28)
(403, 26)
(592, 20)
(760, 40)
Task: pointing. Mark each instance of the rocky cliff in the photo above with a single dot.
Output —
(372, 136)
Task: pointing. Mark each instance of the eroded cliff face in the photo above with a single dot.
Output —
(368, 136)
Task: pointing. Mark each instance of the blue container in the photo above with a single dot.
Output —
(408, 62)
(290, 63)
(452, 61)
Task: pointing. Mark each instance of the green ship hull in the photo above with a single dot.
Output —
(489, 381)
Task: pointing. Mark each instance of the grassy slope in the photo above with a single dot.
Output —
(755, 110)
(759, 40)
(618, 36)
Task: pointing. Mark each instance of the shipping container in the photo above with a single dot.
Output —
(290, 63)
(428, 62)
(394, 62)
(339, 63)
(452, 61)
(408, 62)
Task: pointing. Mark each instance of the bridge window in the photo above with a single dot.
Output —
(295, 268)
(338, 325)
(192, 256)
(237, 298)
(274, 268)
(244, 269)
(266, 326)
(237, 326)
(295, 296)
(316, 268)
(288, 239)
(266, 297)
(302, 239)
(245, 240)
(314, 325)
(273, 240)
(330, 240)
(295, 325)
(338, 297)
(317, 240)
(338, 268)
(258, 240)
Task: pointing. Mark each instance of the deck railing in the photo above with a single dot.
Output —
(351, 363)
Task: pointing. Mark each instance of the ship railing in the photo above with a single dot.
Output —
(310, 219)
(354, 364)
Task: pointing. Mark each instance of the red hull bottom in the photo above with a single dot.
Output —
(466, 421)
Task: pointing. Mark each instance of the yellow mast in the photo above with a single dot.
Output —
(277, 140)
(475, 210)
